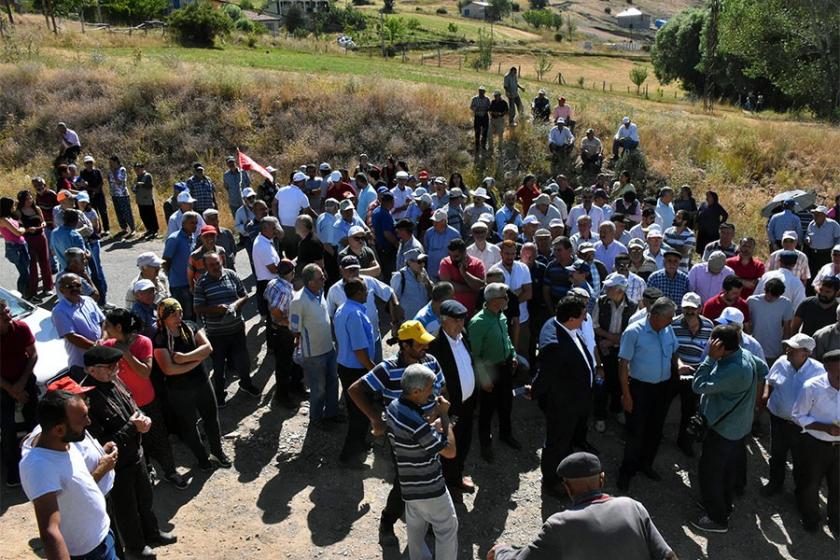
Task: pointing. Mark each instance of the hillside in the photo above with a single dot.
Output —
(170, 106)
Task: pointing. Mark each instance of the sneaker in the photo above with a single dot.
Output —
(709, 526)
(177, 481)
(250, 389)
(163, 539)
(222, 460)
(600, 426)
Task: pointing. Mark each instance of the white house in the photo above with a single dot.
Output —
(476, 10)
(633, 18)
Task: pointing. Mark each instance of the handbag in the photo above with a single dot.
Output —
(698, 426)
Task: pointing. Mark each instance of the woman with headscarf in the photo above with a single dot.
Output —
(180, 348)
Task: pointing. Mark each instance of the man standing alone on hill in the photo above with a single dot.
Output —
(480, 105)
(512, 88)
(498, 110)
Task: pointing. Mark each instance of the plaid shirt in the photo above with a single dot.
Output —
(279, 294)
(202, 190)
(674, 288)
(635, 287)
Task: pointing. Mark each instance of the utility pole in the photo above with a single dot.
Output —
(9, 10)
(711, 55)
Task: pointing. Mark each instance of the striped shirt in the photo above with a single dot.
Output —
(692, 347)
(386, 379)
(416, 445)
(226, 290)
(683, 242)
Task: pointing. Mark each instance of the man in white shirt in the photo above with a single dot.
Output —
(69, 506)
(518, 279)
(626, 138)
(488, 253)
(585, 208)
(607, 248)
(289, 203)
(794, 289)
(817, 410)
(402, 196)
(265, 259)
(560, 139)
(543, 209)
(665, 212)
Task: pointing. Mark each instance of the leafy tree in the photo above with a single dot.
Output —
(245, 24)
(500, 9)
(388, 7)
(394, 29)
(233, 11)
(542, 66)
(294, 18)
(199, 24)
(638, 75)
(133, 11)
(676, 54)
(246, 5)
(791, 43)
(485, 52)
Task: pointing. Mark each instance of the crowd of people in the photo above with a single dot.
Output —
(600, 304)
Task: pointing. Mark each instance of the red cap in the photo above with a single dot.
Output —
(423, 175)
(69, 385)
(207, 229)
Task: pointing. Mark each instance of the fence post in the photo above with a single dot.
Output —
(604, 86)
(499, 70)
(438, 57)
(459, 64)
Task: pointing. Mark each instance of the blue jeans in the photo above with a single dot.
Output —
(105, 550)
(96, 267)
(322, 378)
(18, 255)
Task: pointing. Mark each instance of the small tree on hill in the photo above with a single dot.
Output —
(638, 75)
(199, 24)
(485, 52)
(542, 66)
(294, 18)
(500, 9)
(571, 27)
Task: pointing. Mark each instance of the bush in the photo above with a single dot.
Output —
(441, 11)
(246, 5)
(607, 10)
(514, 6)
(233, 11)
(245, 24)
(558, 37)
(199, 24)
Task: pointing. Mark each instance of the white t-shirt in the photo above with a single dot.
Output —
(518, 276)
(263, 254)
(401, 197)
(489, 257)
(290, 201)
(84, 520)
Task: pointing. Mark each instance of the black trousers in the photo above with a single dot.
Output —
(132, 499)
(229, 350)
(97, 200)
(394, 505)
(8, 427)
(355, 443)
(718, 472)
(188, 404)
(784, 436)
(262, 304)
(453, 469)
(813, 461)
(610, 390)
(688, 403)
(644, 425)
(290, 242)
(287, 374)
(481, 124)
(156, 440)
(561, 431)
(148, 216)
(499, 400)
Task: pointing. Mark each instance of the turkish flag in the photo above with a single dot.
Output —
(248, 164)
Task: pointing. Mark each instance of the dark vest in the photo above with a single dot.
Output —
(605, 312)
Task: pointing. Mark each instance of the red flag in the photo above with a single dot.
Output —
(248, 164)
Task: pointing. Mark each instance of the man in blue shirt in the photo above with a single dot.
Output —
(176, 256)
(727, 381)
(386, 235)
(784, 221)
(236, 180)
(77, 319)
(671, 280)
(436, 241)
(356, 348)
(65, 237)
(647, 361)
(508, 214)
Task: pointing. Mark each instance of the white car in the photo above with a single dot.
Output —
(52, 356)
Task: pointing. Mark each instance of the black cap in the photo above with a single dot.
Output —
(96, 355)
(349, 261)
(404, 223)
(831, 356)
(652, 294)
(387, 196)
(670, 251)
(579, 465)
(454, 309)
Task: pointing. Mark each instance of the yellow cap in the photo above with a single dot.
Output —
(414, 330)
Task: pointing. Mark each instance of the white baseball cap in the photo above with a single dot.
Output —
(801, 340)
(402, 175)
(691, 299)
(355, 230)
(510, 227)
(439, 215)
(298, 176)
(731, 315)
(143, 284)
(185, 196)
(530, 220)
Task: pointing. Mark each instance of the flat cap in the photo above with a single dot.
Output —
(652, 294)
(831, 356)
(579, 465)
(99, 354)
(454, 309)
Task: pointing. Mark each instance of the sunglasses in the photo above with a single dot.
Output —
(359, 238)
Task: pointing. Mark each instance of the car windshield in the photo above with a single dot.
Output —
(19, 307)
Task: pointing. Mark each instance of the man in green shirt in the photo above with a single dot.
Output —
(727, 383)
(495, 362)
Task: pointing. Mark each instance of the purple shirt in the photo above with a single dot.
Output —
(704, 283)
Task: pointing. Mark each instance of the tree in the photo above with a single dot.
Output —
(676, 54)
(538, 4)
(133, 11)
(485, 52)
(638, 75)
(388, 7)
(571, 27)
(791, 43)
(499, 9)
(295, 18)
(542, 66)
(199, 24)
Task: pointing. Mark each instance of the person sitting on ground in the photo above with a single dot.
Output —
(591, 152)
(561, 141)
(541, 107)
(626, 139)
(564, 111)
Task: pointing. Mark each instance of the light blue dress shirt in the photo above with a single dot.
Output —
(648, 352)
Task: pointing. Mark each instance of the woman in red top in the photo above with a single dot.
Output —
(526, 194)
(32, 220)
(135, 369)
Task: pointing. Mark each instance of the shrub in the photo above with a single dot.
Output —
(295, 18)
(514, 6)
(558, 37)
(245, 24)
(607, 10)
(388, 7)
(441, 11)
(233, 11)
(246, 5)
(199, 24)
(538, 4)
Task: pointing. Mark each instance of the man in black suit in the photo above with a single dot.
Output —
(563, 387)
(454, 354)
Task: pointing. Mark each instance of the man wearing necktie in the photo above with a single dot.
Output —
(563, 387)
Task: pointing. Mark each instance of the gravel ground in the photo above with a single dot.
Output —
(286, 496)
